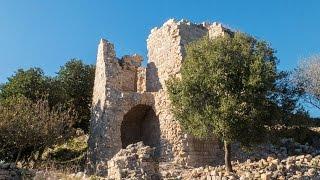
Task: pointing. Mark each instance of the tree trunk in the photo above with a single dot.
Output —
(227, 158)
(18, 156)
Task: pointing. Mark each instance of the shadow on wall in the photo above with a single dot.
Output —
(153, 82)
(141, 124)
(94, 129)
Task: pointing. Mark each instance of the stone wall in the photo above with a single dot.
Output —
(166, 51)
(141, 79)
(129, 72)
(130, 102)
(114, 95)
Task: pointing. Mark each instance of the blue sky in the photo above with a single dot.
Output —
(46, 34)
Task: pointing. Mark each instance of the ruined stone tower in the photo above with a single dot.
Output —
(130, 102)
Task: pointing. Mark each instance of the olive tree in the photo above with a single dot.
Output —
(223, 89)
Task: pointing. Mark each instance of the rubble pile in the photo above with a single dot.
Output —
(137, 161)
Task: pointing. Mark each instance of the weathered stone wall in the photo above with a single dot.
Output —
(202, 152)
(166, 51)
(141, 79)
(129, 71)
(112, 99)
(121, 86)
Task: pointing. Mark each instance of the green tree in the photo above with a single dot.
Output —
(224, 88)
(72, 88)
(75, 80)
(31, 83)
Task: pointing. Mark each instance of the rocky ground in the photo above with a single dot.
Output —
(287, 160)
(293, 167)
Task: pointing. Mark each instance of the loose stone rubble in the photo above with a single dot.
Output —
(286, 160)
(293, 167)
(135, 162)
(266, 162)
(290, 160)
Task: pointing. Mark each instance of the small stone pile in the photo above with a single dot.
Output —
(286, 147)
(10, 171)
(137, 161)
(288, 160)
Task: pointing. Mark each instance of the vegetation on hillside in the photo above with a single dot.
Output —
(38, 111)
(27, 128)
(71, 89)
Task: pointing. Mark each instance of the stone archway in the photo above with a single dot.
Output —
(140, 124)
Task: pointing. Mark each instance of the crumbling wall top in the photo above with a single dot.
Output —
(134, 60)
(215, 29)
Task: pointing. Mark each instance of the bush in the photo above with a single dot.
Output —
(300, 134)
(28, 127)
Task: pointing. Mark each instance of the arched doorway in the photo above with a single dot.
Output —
(140, 124)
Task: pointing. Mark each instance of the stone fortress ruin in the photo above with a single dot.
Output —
(130, 102)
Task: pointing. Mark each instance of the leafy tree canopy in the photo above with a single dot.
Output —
(224, 87)
(76, 80)
(70, 89)
(29, 83)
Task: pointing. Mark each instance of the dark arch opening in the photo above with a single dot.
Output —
(140, 124)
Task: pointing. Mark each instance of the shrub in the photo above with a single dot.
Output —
(300, 134)
(27, 127)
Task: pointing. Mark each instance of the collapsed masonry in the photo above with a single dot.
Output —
(130, 102)
(137, 161)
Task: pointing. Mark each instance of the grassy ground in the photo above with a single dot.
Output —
(67, 157)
